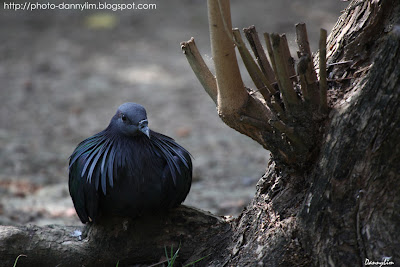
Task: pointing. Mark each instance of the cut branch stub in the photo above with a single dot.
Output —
(289, 96)
(199, 67)
(302, 67)
(270, 51)
(232, 94)
(284, 118)
(302, 39)
(309, 72)
(288, 59)
(258, 50)
(261, 82)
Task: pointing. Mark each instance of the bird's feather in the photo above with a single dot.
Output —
(136, 173)
(103, 170)
(169, 148)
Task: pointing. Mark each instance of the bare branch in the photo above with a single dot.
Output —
(302, 39)
(308, 71)
(259, 53)
(290, 98)
(270, 51)
(257, 76)
(226, 27)
(259, 79)
(232, 94)
(199, 67)
(288, 58)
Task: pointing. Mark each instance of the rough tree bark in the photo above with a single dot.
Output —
(339, 207)
(127, 241)
(343, 208)
(351, 212)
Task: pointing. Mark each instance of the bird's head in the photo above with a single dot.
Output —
(131, 120)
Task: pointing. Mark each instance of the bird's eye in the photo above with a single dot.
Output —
(123, 117)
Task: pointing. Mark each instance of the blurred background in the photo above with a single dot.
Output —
(63, 74)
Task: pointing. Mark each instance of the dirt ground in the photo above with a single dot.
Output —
(63, 73)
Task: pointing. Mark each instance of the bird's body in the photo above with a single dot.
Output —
(127, 169)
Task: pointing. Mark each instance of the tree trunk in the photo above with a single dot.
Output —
(342, 210)
(139, 241)
(351, 214)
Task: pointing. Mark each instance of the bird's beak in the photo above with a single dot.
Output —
(144, 128)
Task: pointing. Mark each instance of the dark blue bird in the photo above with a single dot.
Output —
(128, 169)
